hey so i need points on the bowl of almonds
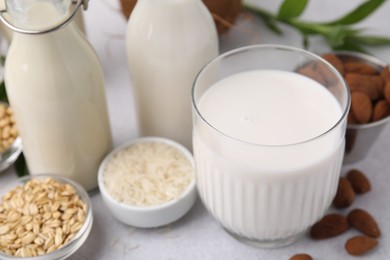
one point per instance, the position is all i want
(43, 217)
(368, 79)
(10, 142)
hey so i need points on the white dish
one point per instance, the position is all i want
(149, 216)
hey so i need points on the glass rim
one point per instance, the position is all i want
(306, 53)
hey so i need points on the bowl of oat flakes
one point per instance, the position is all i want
(43, 217)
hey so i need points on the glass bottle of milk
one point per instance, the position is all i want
(55, 86)
(168, 42)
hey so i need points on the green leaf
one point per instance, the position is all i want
(291, 9)
(370, 40)
(271, 24)
(336, 37)
(358, 14)
(350, 46)
(21, 166)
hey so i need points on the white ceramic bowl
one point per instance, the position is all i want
(149, 216)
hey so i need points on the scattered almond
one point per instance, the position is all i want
(345, 194)
(359, 181)
(329, 226)
(364, 222)
(361, 107)
(359, 67)
(301, 257)
(381, 110)
(359, 245)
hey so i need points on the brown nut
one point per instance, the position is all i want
(359, 181)
(381, 110)
(364, 222)
(359, 245)
(301, 257)
(335, 61)
(386, 92)
(385, 74)
(361, 107)
(359, 67)
(310, 71)
(372, 85)
(351, 119)
(345, 194)
(329, 226)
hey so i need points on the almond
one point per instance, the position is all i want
(359, 67)
(301, 257)
(361, 107)
(364, 222)
(329, 226)
(386, 91)
(381, 110)
(345, 194)
(359, 245)
(352, 118)
(372, 85)
(359, 181)
(327, 74)
(335, 61)
(385, 74)
(310, 71)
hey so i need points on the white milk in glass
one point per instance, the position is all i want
(257, 173)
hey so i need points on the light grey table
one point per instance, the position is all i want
(197, 235)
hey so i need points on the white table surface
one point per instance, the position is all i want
(198, 235)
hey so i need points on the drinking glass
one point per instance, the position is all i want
(268, 195)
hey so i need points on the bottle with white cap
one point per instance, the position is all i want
(168, 42)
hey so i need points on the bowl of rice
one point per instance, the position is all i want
(148, 182)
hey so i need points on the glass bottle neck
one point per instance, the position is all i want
(38, 14)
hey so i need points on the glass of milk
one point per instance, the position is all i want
(268, 137)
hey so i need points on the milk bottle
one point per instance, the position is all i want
(168, 41)
(55, 86)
